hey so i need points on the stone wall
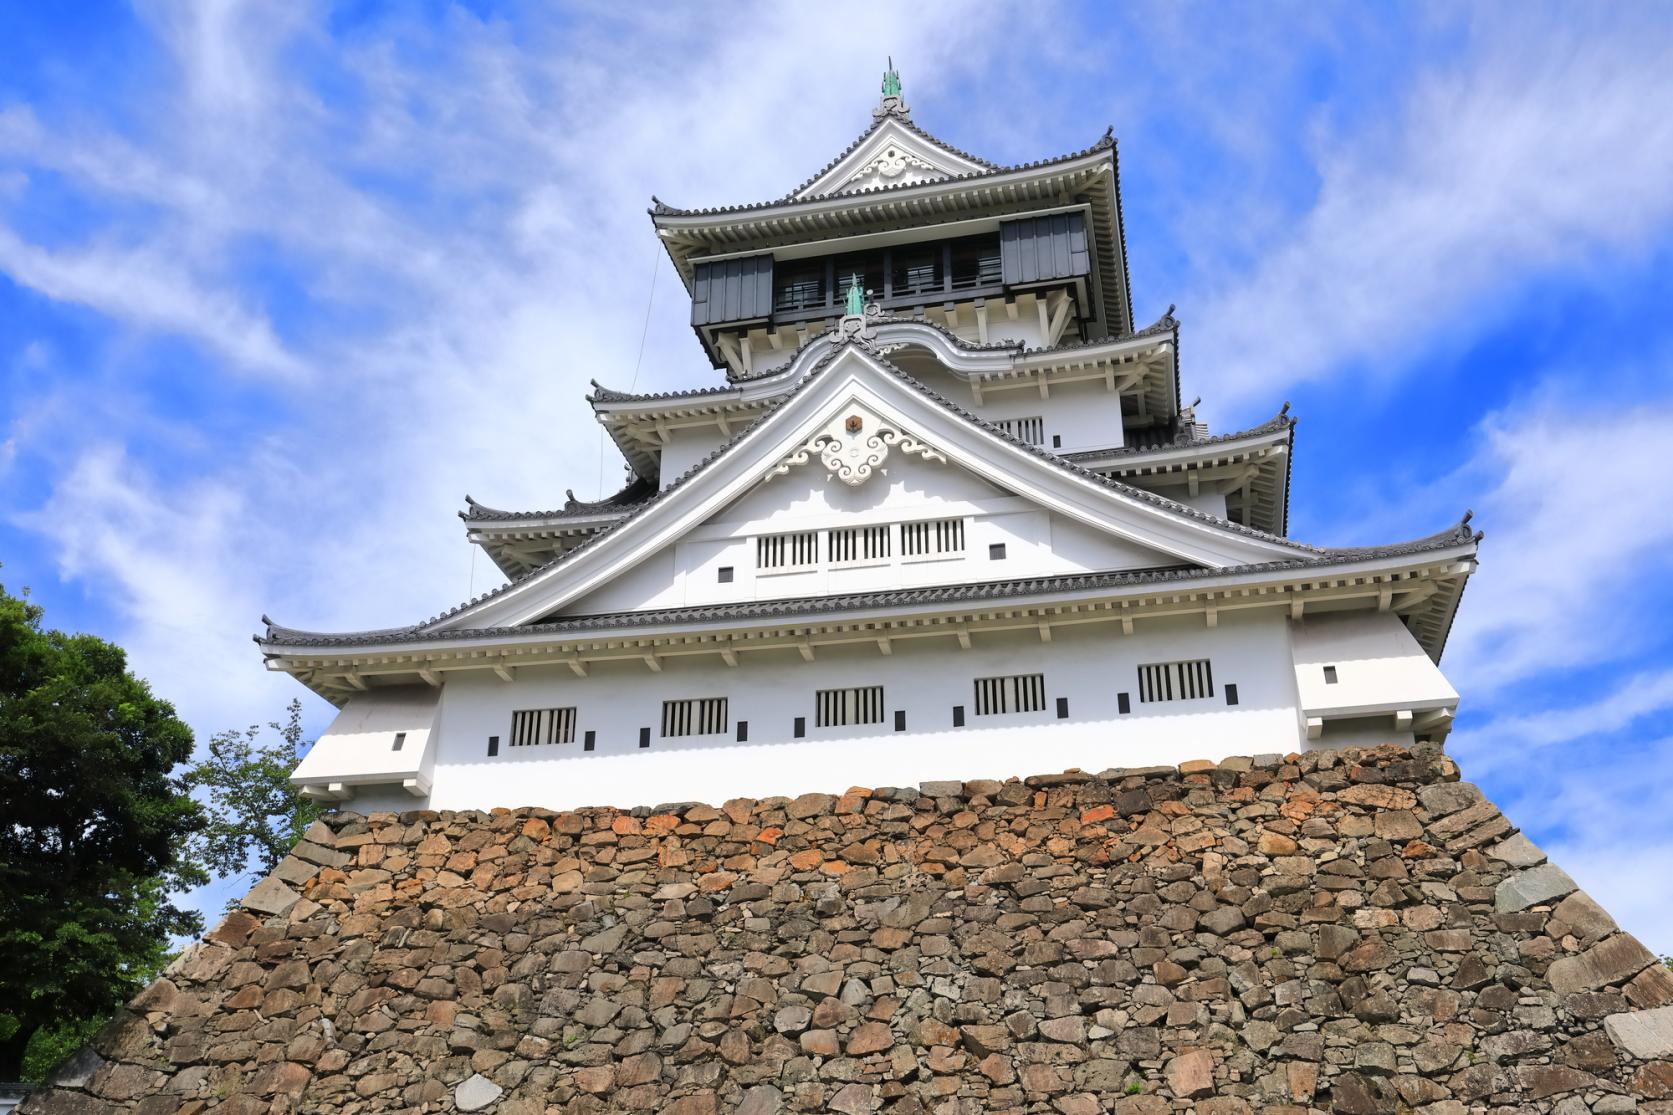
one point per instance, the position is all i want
(1353, 932)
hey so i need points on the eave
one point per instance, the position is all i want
(1422, 587)
(1143, 364)
(1255, 462)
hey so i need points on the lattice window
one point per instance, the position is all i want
(695, 716)
(860, 705)
(533, 726)
(787, 551)
(857, 544)
(1012, 693)
(1031, 429)
(932, 538)
(1176, 681)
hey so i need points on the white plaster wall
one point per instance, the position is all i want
(1378, 666)
(810, 498)
(359, 744)
(1082, 414)
(1088, 664)
(686, 447)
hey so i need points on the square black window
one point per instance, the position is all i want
(1057, 441)
(1123, 703)
(1063, 708)
(644, 737)
(1231, 694)
(493, 746)
(726, 574)
(996, 551)
(801, 726)
(1330, 675)
(900, 720)
(958, 716)
(400, 740)
(589, 741)
(743, 731)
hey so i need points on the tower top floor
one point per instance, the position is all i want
(923, 229)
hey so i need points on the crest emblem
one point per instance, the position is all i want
(853, 424)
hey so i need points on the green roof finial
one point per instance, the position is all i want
(854, 303)
(891, 80)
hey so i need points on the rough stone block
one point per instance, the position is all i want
(1645, 1034)
(1532, 887)
(1612, 961)
(270, 896)
(476, 1093)
(1517, 851)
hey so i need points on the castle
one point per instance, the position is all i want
(942, 510)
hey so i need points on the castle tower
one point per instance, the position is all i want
(938, 511)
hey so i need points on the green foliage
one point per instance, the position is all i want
(51, 1045)
(1134, 1087)
(255, 815)
(95, 826)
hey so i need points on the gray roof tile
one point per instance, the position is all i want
(1457, 535)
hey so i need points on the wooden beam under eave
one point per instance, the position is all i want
(355, 681)
(806, 650)
(504, 672)
(576, 666)
(653, 662)
(1045, 632)
(729, 656)
(963, 638)
(885, 647)
(1212, 614)
(431, 678)
(1297, 607)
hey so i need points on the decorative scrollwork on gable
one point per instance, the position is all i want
(889, 164)
(854, 445)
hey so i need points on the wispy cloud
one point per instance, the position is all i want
(1572, 537)
(428, 226)
(1537, 151)
(144, 288)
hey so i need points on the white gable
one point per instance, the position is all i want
(850, 424)
(911, 504)
(891, 155)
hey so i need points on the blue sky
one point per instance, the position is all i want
(281, 282)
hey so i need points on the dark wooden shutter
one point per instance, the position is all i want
(730, 290)
(1039, 249)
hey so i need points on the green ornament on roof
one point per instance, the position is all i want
(855, 300)
(891, 80)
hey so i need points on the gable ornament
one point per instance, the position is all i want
(851, 453)
(892, 102)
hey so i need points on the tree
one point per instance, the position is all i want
(255, 815)
(95, 825)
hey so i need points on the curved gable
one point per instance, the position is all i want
(858, 381)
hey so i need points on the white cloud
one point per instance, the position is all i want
(1533, 152)
(144, 288)
(1599, 811)
(1574, 531)
(465, 212)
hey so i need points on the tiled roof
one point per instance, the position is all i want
(637, 491)
(1189, 435)
(662, 209)
(1163, 325)
(1457, 535)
